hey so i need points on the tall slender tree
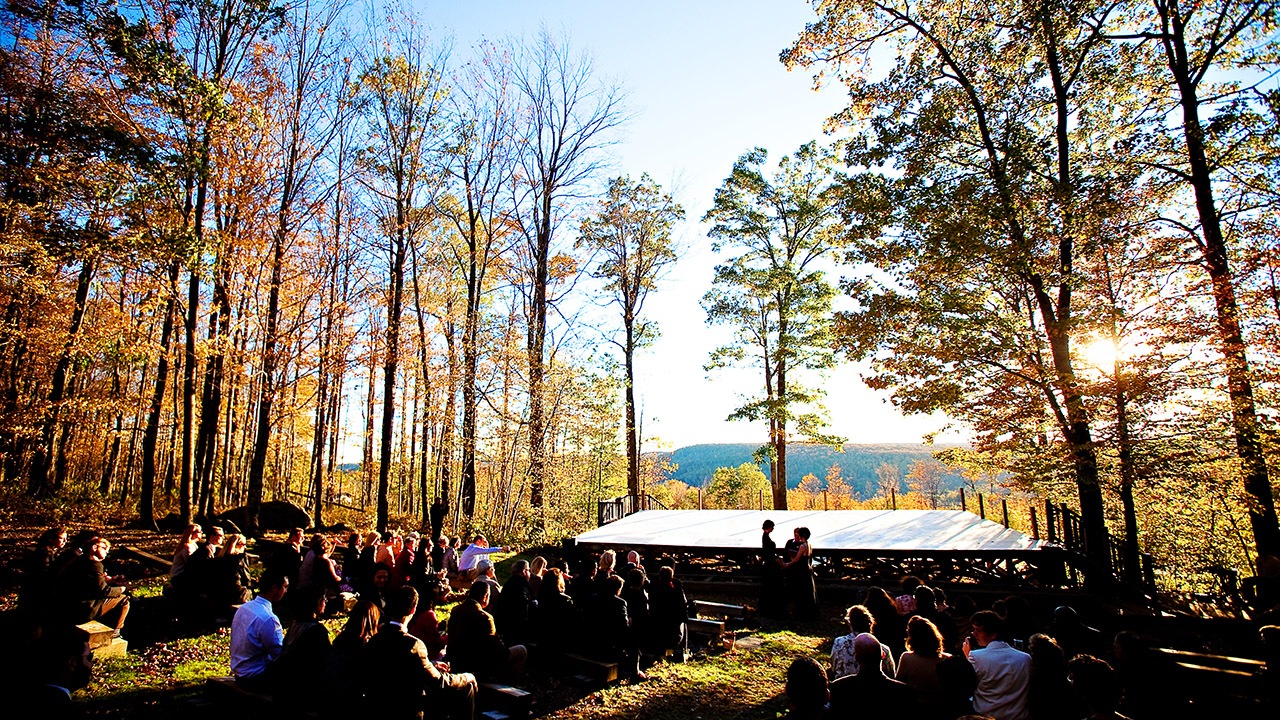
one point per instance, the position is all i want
(781, 230)
(631, 230)
(568, 116)
(404, 93)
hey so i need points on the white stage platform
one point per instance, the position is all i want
(834, 532)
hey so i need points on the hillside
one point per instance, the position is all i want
(858, 463)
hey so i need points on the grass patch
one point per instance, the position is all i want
(746, 682)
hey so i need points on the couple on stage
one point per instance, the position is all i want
(789, 576)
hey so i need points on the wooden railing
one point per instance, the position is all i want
(608, 511)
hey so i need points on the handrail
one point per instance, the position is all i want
(614, 509)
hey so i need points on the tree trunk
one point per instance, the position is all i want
(151, 435)
(633, 446)
(1244, 417)
(38, 484)
(391, 366)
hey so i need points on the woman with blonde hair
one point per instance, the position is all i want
(231, 581)
(187, 544)
(537, 568)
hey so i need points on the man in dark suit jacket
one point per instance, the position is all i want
(86, 592)
(402, 680)
(474, 643)
(870, 693)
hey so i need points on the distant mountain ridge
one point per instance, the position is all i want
(858, 462)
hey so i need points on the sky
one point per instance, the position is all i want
(703, 84)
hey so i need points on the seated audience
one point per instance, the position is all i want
(1074, 636)
(199, 573)
(669, 614)
(471, 556)
(843, 660)
(319, 569)
(474, 644)
(1020, 621)
(86, 592)
(806, 689)
(485, 573)
(905, 602)
(870, 693)
(187, 544)
(1050, 696)
(611, 625)
(890, 625)
(1097, 686)
(558, 620)
(1004, 674)
(304, 659)
(927, 608)
(38, 566)
(287, 560)
(401, 681)
(232, 583)
(537, 568)
(918, 666)
(344, 673)
(257, 638)
(379, 586)
(426, 625)
(514, 605)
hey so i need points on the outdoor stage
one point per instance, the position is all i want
(944, 545)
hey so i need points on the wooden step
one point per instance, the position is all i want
(598, 671)
(719, 610)
(509, 700)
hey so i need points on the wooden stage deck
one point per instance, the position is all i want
(833, 531)
(847, 544)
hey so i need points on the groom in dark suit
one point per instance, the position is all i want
(402, 680)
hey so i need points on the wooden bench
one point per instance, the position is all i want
(155, 561)
(509, 701)
(596, 671)
(717, 610)
(227, 697)
(1222, 674)
(712, 629)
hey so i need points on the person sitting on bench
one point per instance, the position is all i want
(257, 638)
(402, 681)
(474, 643)
(88, 593)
